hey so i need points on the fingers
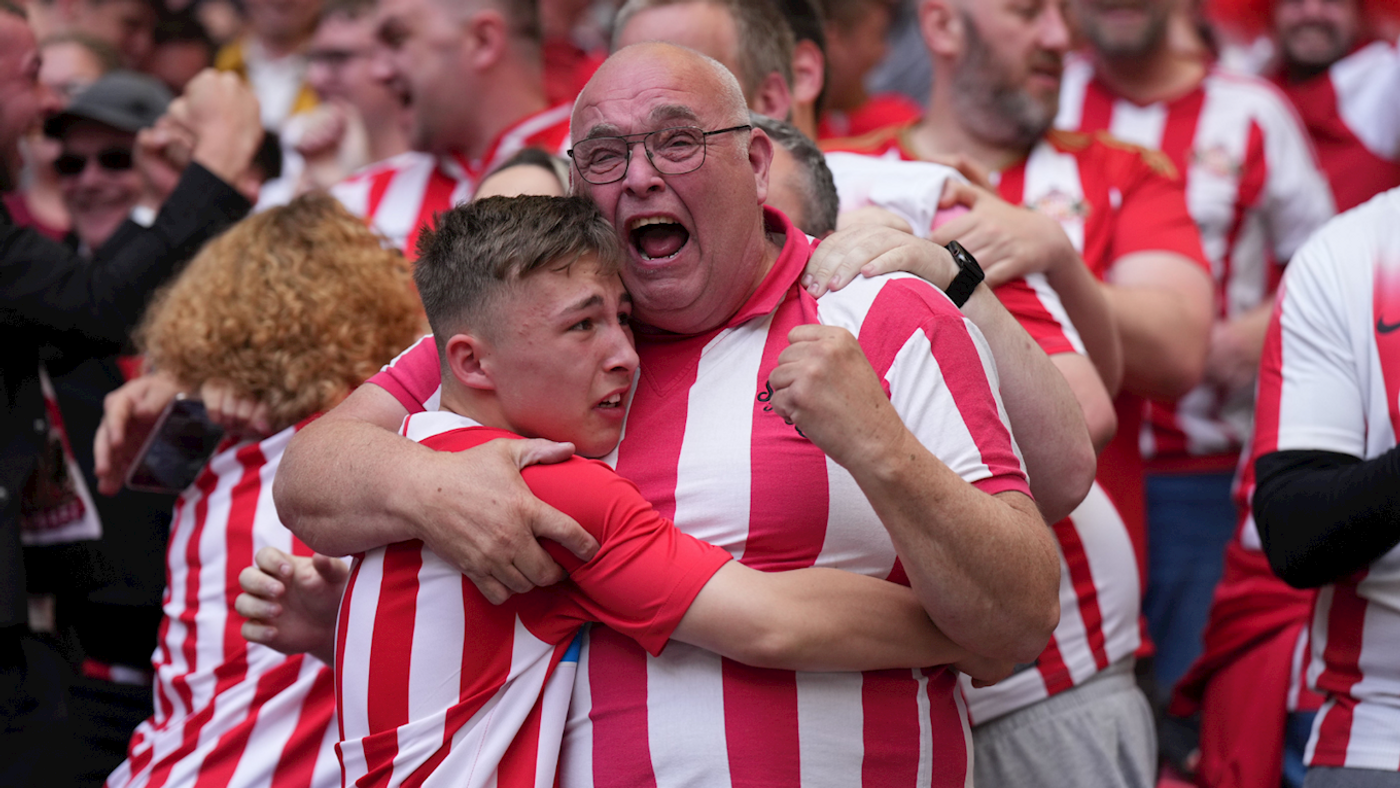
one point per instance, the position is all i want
(274, 562)
(550, 523)
(256, 608)
(239, 415)
(332, 570)
(538, 451)
(260, 584)
(254, 632)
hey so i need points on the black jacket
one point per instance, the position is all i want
(49, 294)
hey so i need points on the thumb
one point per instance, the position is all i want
(956, 192)
(538, 450)
(332, 570)
(550, 523)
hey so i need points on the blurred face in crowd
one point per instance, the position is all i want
(341, 56)
(1006, 81)
(127, 25)
(23, 99)
(1122, 28)
(1314, 34)
(704, 27)
(175, 63)
(97, 179)
(692, 242)
(424, 59)
(852, 50)
(68, 68)
(282, 22)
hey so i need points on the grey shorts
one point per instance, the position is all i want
(1097, 735)
(1333, 777)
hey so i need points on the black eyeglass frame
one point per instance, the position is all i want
(631, 139)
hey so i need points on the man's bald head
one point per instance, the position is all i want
(719, 82)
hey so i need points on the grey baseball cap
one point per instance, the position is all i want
(124, 100)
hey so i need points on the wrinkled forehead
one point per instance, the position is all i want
(638, 94)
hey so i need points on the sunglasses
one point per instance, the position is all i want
(112, 160)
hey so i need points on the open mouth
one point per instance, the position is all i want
(613, 401)
(657, 237)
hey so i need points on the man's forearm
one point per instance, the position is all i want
(1087, 306)
(339, 482)
(985, 567)
(1045, 414)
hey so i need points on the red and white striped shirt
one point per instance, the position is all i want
(409, 619)
(705, 449)
(228, 712)
(1099, 582)
(400, 195)
(1255, 193)
(1113, 199)
(1330, 380)
(1353, 118)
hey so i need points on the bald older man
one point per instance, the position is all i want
(760, 423)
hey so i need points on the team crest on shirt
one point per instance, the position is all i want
(1217, 161)
(1061, 206)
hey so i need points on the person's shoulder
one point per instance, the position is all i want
(896, 303)
(1102, 149)
(399, 163)
(874, 143)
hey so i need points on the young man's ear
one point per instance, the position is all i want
(468, 358)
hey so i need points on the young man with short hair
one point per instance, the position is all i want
(562, 368)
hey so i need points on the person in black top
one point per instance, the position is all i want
(50, 295)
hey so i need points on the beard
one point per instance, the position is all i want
(1315, 58)
(1136, 44)
(990, 105)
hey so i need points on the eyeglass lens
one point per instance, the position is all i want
(111, 159)
(673, 151)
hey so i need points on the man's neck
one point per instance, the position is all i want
(511, 96)
(480, 407)
(385, 137)
(1160, 74)
(940, 135)
(1294, 73)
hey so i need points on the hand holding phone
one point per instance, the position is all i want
(177, 449)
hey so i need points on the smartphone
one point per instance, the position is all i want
(178, 448)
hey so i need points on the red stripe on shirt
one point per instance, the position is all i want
(437, 198)
(1053, 670)
(1085, 592)
(950, 742)
(390, 654)
(892, 741)
(1346, 619)
(218, 768)
(621, 750)
(760, 726)
(1179, 132)
(294, 769)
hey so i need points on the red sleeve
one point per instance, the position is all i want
(414, 376)
(1153, 215)
(646, 572)
(1024, 304)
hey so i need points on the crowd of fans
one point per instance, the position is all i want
(1042, 356)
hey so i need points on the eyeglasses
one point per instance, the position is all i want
(673, 151)
(111, 159)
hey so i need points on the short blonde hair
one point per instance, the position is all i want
(293, 307)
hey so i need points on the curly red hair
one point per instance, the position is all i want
(293, 307)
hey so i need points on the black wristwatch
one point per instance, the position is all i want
(969, 275)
